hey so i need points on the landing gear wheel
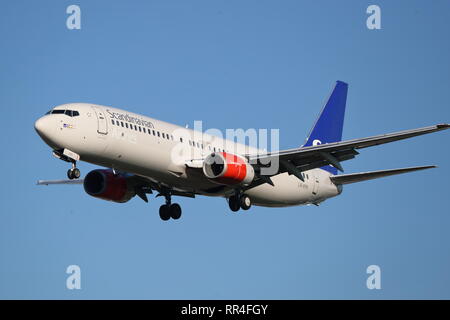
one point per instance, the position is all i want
(164, 212)
(73, 173)
(175, 211)
(76, 173)
(233, 202)
(245, 202)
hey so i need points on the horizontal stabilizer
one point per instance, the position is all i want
(363, 176)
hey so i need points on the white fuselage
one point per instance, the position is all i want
(153, 149)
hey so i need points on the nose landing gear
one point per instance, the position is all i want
(74, 172)
(69, 156)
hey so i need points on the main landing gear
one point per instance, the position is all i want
(239, 201)
(74, 172)
(169, 210)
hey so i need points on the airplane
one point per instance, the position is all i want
(137, 153)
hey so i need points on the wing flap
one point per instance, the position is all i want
(364, 176)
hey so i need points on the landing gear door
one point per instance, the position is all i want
(102, 127)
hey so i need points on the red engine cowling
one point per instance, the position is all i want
(104, 184)
(228, 169)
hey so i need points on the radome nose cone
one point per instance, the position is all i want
(43, 127)
(39, 125)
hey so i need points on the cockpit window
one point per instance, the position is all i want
(70, 113)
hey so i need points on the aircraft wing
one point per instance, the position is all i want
(47, 182)
(141, 185)
(301, 159)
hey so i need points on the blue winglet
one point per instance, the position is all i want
(329, 124)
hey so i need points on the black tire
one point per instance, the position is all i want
(70, 174)
(233, 202)
(164, 212)
(245, 202)
(175, 211)
(76, 173)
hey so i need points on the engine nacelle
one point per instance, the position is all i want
(104, 184)
(228, 169)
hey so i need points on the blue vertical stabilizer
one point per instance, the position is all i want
(329, 124)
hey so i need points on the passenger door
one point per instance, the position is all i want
(102, 126)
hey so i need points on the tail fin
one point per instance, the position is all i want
(329, 124)
(328, 127)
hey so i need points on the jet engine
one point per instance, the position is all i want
(104, 184)
(228, 169)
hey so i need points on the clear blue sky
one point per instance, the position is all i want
(232, 64)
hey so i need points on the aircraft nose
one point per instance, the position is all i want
(43, 126)
(39, 125)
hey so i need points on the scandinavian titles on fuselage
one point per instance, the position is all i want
(130, 119)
